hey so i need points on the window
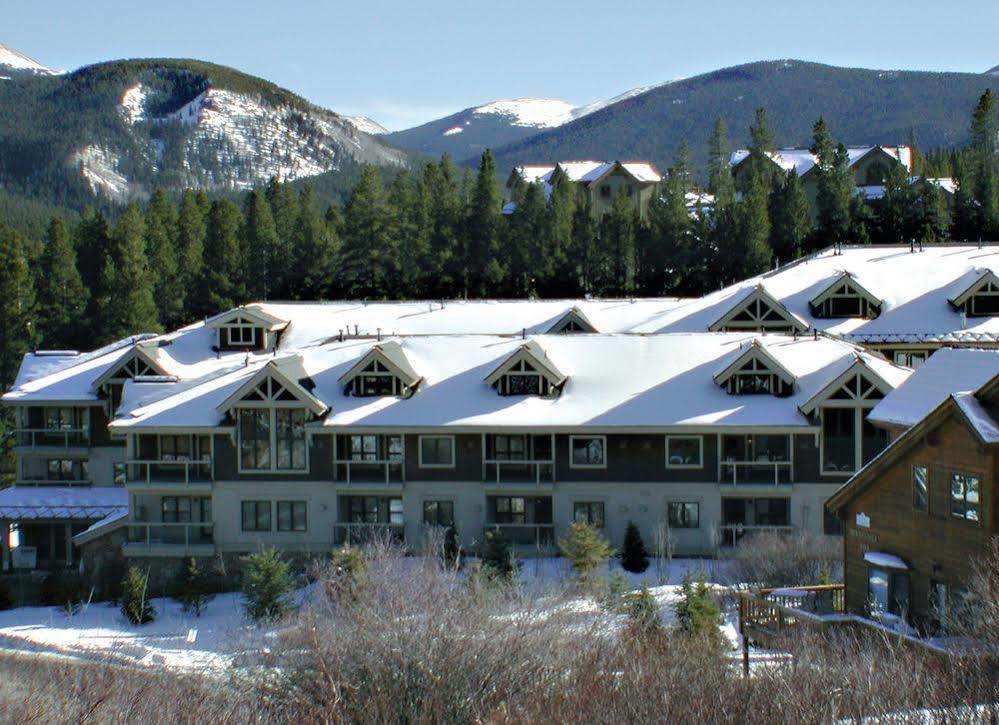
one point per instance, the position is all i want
(256, 515)
(605, 191)
(60, 419)
(589, 512)
(175, 448)
(964, 496)
(290, 436)
(684, 451)
(588, 451)
(519, 384)
(438, 513)
(436, 451)
(520, 510)
(887, 591)
(920, 497)
(255, 439)
(61, 469)
(839, 439)
(522, 378)
(846, 300)
(683, 514)
(754, 377)
(773, 511)
(376, 380)
(363, 448)
(175, 509)
(509, 447)
(291, 516)
(241, 335)
(119, 474)
(272, 439)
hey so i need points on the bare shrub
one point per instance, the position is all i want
(773, 560)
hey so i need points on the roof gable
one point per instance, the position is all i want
(269, 386)
(573, 321)
(756, 363)
(859, 384)
(528, 358)
(136, 363)
(389, 358)
(845, 285)
(247, 315)
(758, 310)
(983, 280)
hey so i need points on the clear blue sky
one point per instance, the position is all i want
(405, 62)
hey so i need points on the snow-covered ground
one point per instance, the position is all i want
(222, 634)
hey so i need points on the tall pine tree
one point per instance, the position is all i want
(62, 298)
(484, 267)
(126, 306)
(221, 285)
(366, 257)
(161, 250)
(264, 268)
(17, 304)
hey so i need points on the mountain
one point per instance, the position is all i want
(861, 106)
(15, 63)
(366, 125)
(467, 133)
(120, 129)
(994, 71)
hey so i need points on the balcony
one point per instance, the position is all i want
(729, 535)
(390, 472)
(355, 533)
(764, 471)
(170, 474)
(534, 536)
(540, 473)
(170, 539)
(52, 438)
(46, 482)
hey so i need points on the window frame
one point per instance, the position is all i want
(272, 413)
(591, 466)
(241, 328)
(589, 506)
(685, 466)
(292, 505)
(257, 504)
(436, 436)
(965, 507)
(437, 504)
(925, 508)
(683, 506)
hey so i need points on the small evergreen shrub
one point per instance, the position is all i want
(346, 573)
(135, 603)
(267, 585)
(643, 609)
(60, 588)
(193, 588)
(698, 612)
(616, 590)
(451, 552)
(585, 549)
(634, 557)
(499, 563)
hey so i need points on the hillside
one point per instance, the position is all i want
(15, 63)
(464, 135)
(862, 106)
(121, 129)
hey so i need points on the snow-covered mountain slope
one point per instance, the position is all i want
(366, 125)
(467, 133)
(14, 62)
(122, 129)
(993, 71)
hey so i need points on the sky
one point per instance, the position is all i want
(408, 62)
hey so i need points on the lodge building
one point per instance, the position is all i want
(305, 425)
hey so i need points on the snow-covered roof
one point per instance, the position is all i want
(914, 286)
(661, 382)
(56, 502)
(889, 561)
(979, 417)
(946, 371)
(803, 160)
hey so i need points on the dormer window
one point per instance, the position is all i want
(528, 371)
(981, 298)
(845, 298)
(247, 328)
(760, 312)
(755, 372)
(136, 364)
(385, 370)
(573, 322)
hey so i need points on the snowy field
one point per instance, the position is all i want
(222, 636)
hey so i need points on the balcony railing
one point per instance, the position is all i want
(764, 471)
(357, 471)
(53, 482)
(185, 473)
(158, 535)
(537, 472)
(53, 437)
(346, 532)
(732, 534)
(539, 536)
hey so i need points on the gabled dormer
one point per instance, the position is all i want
(274, 385)
(758, 311)
(137, 363)
(528, 371)
(845, 297)
(573, 322)
(981, 297)
(756, 372)
(249, 329)
(384, 370)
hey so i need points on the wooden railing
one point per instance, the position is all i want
(152, 534)
(771, 613)
(775, 472)
(347, 532)
(540, 536)
(731, 534)
(73, 482)
(64, 437)
(537, 472)
(166, 471)
(392, 470)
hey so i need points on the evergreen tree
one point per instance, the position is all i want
(671, 251)
(366, 256)
(895, 207)
(790, 217)
(126, 306)
(754, 255)
(761, 144)
(634, 557)
(484, 268)
(965, 208)
(931, 218)
(285, 210)
(62, 298)
(583, 254)
(720, 184)
(315, 251)
(617, 242)
(161, 251)
(409, 229)
(267, 585)
(135, 603)
(529, 262)
(499, 562)
(559, 275)
(261, 250)
(191, 231)
(93, 242)
(446, 226)
(699, 614)
(221, 285)
(17, 302)
(193, 589)
(862, 221)
(835, 189)
(985, 126)
(585, 549)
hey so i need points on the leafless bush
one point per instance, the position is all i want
(975, 613)
(772, 560)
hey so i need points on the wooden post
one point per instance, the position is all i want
(745, 655)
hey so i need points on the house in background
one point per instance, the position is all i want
(602, 182)
(869, 165)
(918, 517)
